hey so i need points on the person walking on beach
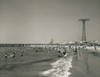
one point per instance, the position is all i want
(75, 51)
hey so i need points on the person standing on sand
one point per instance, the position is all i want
(75, 50)
(95, 47)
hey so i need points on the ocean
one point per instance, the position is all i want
(48, 64)
(33, 63)
(60, 68)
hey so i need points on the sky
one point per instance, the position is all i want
(39, 21)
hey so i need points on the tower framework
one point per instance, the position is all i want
(83, 29)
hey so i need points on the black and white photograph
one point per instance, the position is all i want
(49, 38)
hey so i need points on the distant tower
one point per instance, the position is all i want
(51, 42)
(83, 29)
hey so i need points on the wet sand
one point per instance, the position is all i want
(86, 64)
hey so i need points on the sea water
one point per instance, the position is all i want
(60, 68)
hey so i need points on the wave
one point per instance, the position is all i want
(60, 68)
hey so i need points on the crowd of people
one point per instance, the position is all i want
(12, 55)
(62, 51)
